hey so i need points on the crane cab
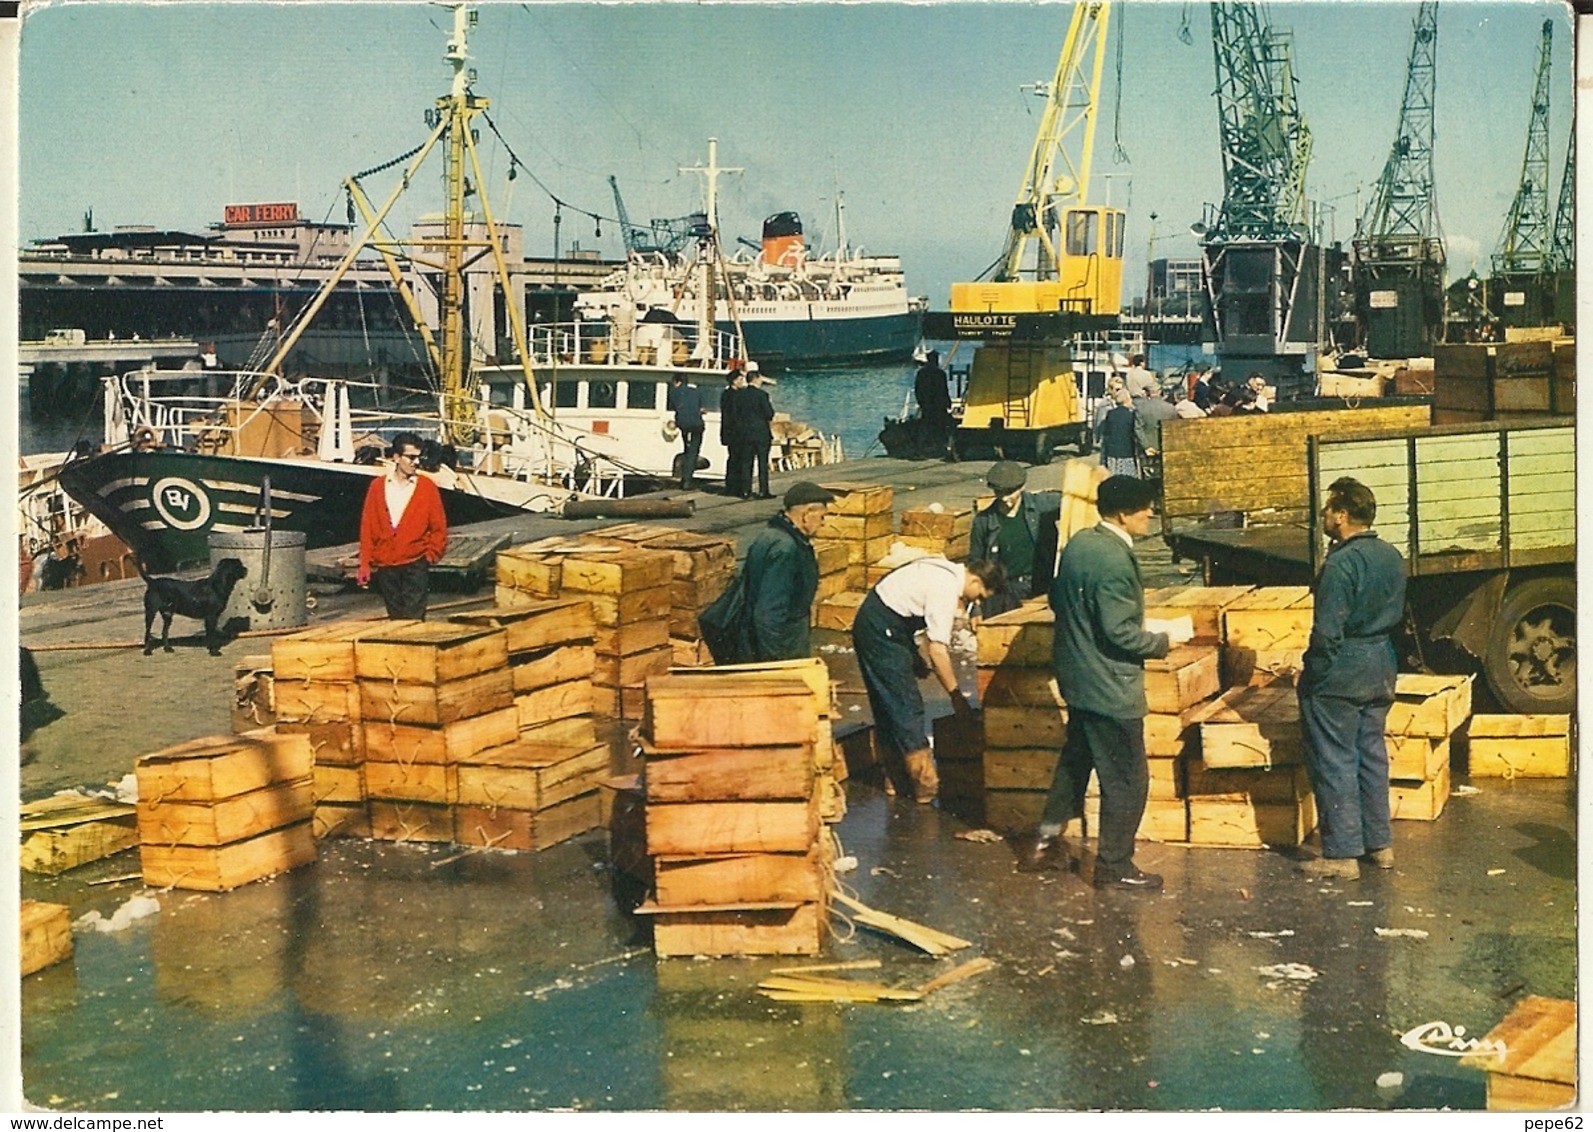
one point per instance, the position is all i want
(1087, 276)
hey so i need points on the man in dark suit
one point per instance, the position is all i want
(1099, 649)
(1018, 530)
(685, 401)
(735, 432)
(760, 418)
(1347, 684)
(934, 400)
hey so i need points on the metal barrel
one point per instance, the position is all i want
(285, 606)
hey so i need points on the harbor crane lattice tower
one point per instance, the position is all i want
(1399, 248)
(1563, 249)
(1261, 268)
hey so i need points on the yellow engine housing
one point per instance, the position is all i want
(1027, 386)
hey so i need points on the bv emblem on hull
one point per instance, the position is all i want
(182, 503)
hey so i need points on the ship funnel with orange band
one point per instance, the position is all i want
(782, 240)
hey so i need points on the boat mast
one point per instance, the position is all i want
(710, 245)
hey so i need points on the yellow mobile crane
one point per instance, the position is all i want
(1060, 274)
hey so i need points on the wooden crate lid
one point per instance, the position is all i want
(526, 754)
(429, 634)
(514, 614)
(1520, 726)
(1270, 704)
(1272, 597)
(1420, 686)
(1181, 656)
(1539, 1040)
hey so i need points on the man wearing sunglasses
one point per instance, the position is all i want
(402, 531)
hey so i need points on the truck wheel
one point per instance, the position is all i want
(1530, 662)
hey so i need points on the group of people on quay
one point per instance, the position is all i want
(746, 416)
(903, 632)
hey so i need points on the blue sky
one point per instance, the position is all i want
(162, 114)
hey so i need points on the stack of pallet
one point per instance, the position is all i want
(861, 517)
(739, 854)
(1426, 713)
(1519, 746)
(317, 697)
(1265, 634)
(1024, 721)
(431, 694)
(1248, 788)
(939, 530)
(222, 811)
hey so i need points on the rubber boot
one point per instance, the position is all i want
(926, 783)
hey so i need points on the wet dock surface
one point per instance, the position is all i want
(407, 977)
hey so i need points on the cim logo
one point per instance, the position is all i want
(182, 503)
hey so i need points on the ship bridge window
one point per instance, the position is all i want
(566, 394)
(602, 395)
(1084, 235)
(641, 395)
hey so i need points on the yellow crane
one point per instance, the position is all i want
(1059, 274)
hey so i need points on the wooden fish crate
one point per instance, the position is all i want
(632, 637)
(1203, 605)
(567, 700)
(335, 743)
(831, 555)
(838, 612)
(46, 935)
(341, 819)
(617, 574)
(539, 625)
(741, 878)
(445, 743)
(430, 652)
(223, 820)
(529, 671)
(1416, 758)
(630, 671)
(733, 774)
(860, 498)
(529, 775)
(396, 820)
(324, 652)
(1172, 735)
(433, 783)
(1537, 1070)
(1420, 801)
(697, 829)
(435, 705)
(216, 767)
(1255, 668)
(1009, 685)
(254, 694)
(773, 928)
(1025, 726)
(221, 868)
(1251, 727)
(1270, 617)
(695, 555)
(1519, 746)
(1020, 637)
(1184, 677)
(1430, 706)
(686, 711)
(317, 701)
(64, 831)
(613, 610)
(1020, 768)
(500, 827)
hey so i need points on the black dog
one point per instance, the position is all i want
(203, 600)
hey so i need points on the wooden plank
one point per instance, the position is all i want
(430, 652)
(448, 743)
(529, 776)
(697, 829)
(225, 867)
(46, 935)
(221, 766)
(929, 523)
(67, 809)
(740, 878)
(538, 625)
(54, 851)
(735, 774)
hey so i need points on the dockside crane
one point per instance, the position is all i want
(1398, 268)
(1563, 253)
(1522, 291)
(1059, 273)
(666, 237)
(1261, 267)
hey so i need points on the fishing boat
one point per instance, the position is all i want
(792, 307)
(582, 411)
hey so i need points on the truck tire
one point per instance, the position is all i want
(1530, 662)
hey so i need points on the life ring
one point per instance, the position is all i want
(671, 430)
(145, 437)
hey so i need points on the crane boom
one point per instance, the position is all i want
(1564, 254)
(1524, 243)
(1403, 209)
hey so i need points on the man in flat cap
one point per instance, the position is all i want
(782, 576)
(1018, 531)
(1099, 649)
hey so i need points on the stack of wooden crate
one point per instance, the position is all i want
(942, 531)
(861, 517)
(222, 811)
(551, 657)
(1519, 746)
(1426, 713)
(431, 693)
(535, 792)
(1265, 634)
(1176, 687)
(704, 566)
(317, 697)
(1024, 721)
(1248, 787)
(1493, 381)
(629, 589)
(831, 555)
(739, 854)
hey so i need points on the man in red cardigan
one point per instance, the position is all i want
(402, 531)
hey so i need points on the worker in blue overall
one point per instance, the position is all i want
(924, 595)
(1346, 685)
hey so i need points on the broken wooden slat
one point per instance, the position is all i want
(920, 936)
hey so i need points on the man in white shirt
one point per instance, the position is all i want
(925, 594)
